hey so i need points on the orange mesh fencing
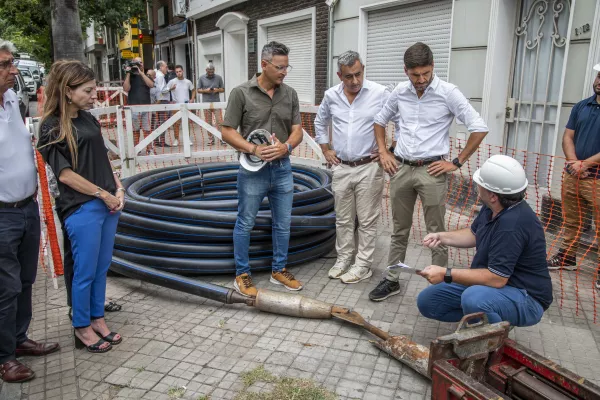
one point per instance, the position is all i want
(567, 205)
(47, 214)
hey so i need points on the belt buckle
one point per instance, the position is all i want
(419, 163)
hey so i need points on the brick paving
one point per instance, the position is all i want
(174, 340)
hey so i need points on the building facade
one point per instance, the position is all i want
(231, 34)
(172, 34)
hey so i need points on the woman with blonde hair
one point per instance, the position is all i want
(91, 195)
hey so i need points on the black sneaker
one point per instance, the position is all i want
(385, 289)
(560, 261)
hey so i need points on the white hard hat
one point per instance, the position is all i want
(501, 174)
(250, 162)
(597, 67)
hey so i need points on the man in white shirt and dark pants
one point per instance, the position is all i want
(19, 230)
(180, 89)
(351, 107)
(424, 108)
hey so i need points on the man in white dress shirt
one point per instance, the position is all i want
(424, 108)
(351, 107)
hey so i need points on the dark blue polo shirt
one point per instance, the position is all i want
(585, 121)
(513, 246)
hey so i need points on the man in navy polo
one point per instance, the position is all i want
(508, 279)
(581, 185)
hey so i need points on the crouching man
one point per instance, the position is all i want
(508, 278)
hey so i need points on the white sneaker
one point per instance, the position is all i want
(337, 270)
(175, 143)
(356, 274)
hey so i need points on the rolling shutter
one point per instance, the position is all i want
(391, 31)
(297, 36)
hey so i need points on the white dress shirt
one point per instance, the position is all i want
(18, 174)
(353, 134)
(424, 123)
(162, 91)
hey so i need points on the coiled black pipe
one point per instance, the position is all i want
(181, 219)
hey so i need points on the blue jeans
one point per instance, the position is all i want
(450, 302)
(275, 181)
(91, 230)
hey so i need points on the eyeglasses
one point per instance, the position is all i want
(8, 64)
(281, 68)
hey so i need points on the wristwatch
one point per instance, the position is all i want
(290, 148)
(448, 276)
(457, 162)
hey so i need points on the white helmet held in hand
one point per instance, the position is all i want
(250, 162)
(501, 174)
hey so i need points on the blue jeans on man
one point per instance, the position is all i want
(275, 181)
(450, 302)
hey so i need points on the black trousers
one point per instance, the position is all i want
(19, 251)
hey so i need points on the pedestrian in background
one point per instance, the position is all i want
(91, 195)
(137, 85)
(180, 89)
(210, 85)
(19, 229)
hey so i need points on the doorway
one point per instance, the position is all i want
(235, 53)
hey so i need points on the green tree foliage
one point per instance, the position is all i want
(27, 23)
(110, 13)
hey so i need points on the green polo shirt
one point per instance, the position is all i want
(250, 108)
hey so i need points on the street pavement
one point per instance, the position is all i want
(176, 344)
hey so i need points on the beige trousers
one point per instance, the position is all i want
(357, 193)
(405, 185)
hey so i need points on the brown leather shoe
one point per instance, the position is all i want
(14, 372)
(31, 348)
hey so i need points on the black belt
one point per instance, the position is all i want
(17, 204)
(357, 163)
(419, 163)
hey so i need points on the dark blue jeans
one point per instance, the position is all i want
(19, 250)
(275, 181)
(91, 230)
(450, 302)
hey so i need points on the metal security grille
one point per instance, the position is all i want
(391, 31)
(541, 40)
(298, 37)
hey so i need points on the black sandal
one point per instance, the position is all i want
(92, 348)
(110, 338)
(111, 306)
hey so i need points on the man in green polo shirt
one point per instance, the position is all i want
(265, 102)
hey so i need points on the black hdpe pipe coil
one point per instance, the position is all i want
(180, 220)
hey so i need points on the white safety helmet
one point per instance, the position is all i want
(501, 174)
(250, 162)
(597, 67)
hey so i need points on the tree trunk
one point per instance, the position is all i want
(67, 35)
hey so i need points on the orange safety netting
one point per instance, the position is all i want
(567, 205)
(47, 214)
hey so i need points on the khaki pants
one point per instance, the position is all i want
(218, 119)
(357, 193)
(405, 185)
(578, 197)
